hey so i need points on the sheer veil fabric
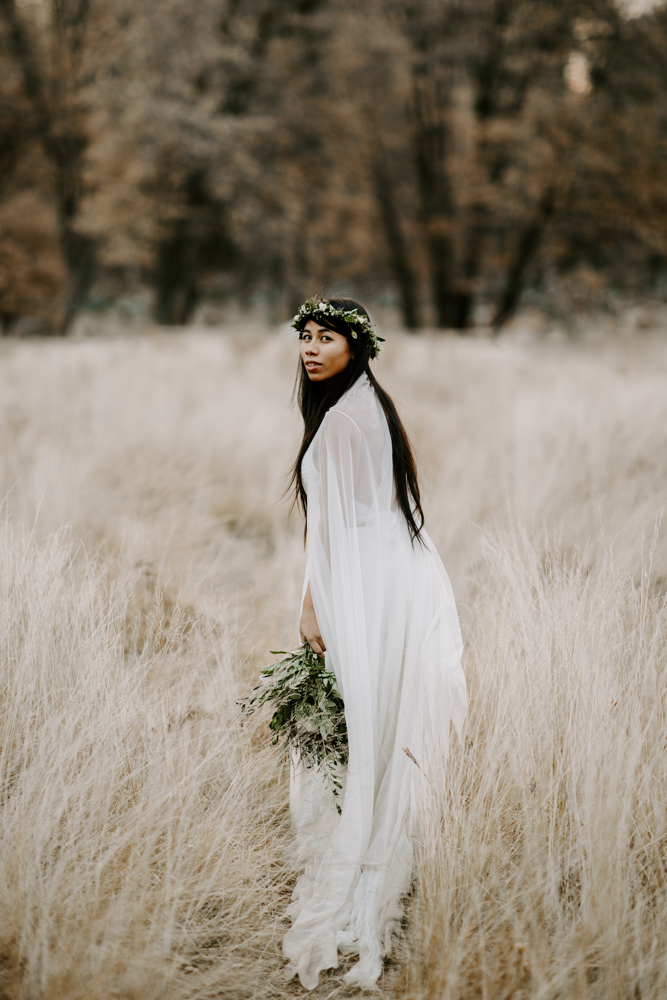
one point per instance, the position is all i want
(388, 619)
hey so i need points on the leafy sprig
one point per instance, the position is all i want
(309, 714)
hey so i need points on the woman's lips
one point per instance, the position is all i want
(311, 365)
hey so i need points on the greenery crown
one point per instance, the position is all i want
(357, 322)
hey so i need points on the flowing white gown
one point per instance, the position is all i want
(388, 620)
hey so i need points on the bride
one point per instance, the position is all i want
(379, 607)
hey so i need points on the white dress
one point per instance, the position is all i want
(388, 620)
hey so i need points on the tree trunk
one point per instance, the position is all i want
(176, 289)
(78, 251)
(453, 306)
(528, 244)
(403, 273)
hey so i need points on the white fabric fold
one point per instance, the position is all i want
(388, 619)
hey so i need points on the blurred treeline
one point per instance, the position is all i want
(451, 155)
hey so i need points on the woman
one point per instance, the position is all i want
(379, 607)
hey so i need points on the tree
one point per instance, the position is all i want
(488, 96)
(47, 54)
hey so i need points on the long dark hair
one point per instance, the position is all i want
(315, 398)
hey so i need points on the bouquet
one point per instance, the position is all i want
(308, 711)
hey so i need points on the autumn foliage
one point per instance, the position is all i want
(452, 156)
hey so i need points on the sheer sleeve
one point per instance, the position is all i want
(349, 517)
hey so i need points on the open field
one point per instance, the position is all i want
(147, 566)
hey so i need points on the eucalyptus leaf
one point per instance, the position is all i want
(309, 714)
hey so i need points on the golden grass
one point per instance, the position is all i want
(146, 568)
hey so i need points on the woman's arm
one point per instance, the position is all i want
(310, 630)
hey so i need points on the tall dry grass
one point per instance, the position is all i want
(143, 827)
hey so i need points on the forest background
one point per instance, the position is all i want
(448, 158)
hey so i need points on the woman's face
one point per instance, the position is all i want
(324, 352)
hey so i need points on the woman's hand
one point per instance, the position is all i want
(310, 630)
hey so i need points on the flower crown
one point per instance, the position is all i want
(312, 308)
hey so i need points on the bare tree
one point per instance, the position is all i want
(49, 56)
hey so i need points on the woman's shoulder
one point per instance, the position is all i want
(358, 408)
(339, 423)
(358, 403)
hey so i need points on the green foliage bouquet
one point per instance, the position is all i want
(308, 711)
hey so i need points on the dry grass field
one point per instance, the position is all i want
(147, 566)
